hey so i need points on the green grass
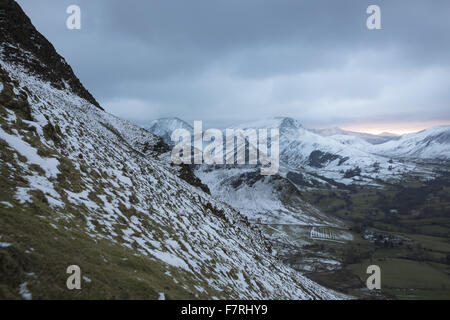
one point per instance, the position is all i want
(432, 243)
(411, 271)
(408, 279)
(37, 247)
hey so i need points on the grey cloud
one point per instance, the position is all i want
(232, 60)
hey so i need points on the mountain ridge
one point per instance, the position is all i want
(430, 143)
(23, 44)
(164, 127)
(389, 145)
(368, 137)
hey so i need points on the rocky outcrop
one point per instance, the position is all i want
(22, 44)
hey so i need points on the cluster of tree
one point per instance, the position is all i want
(406, 199)
(354, 255)
(350, 173)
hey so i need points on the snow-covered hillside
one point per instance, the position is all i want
(431, 143)
(165, 126)
(334, 158)
(353, 141)
(370, 138)
(337, 157)
(263, 199)
(307, 160)
(79, 180)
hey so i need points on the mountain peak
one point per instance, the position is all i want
(289, 123)
(170, 123)
(165, 126)
(22, 44)
(282, 123)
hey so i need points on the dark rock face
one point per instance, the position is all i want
(188, 175)
(299, 179)
(18, 36)
(318, 158)
(160, 147)
(247, 178)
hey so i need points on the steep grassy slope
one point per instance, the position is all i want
(79, 186)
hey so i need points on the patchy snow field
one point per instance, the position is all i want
(105, 167)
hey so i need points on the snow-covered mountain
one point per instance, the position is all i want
(273, 199)
(307, 160)
(80, 186)
(431, 143)
(353, 141)
(165, 126)
(370, 138)
(310, 160)
(336, 153)
(263, 199)
(302, 150)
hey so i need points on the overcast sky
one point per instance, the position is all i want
(227, 61)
